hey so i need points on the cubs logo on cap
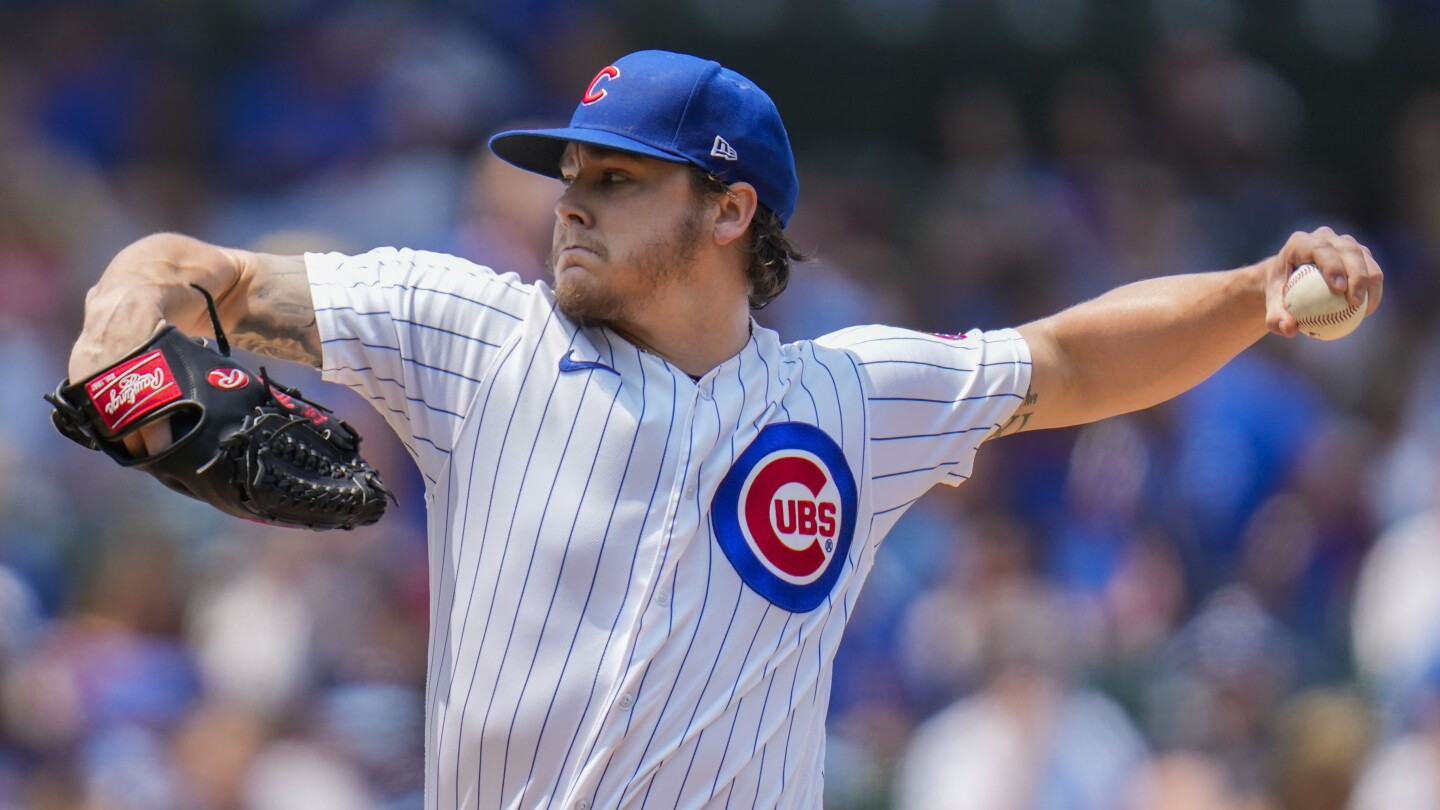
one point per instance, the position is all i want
(595, 92)
(784, 515)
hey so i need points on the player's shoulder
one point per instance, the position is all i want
(877, 342)
(460, 265)
(415, 265)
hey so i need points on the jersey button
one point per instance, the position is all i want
(689, 492)
(583, 804)
(626, 701)
(662, 597)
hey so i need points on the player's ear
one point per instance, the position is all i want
(734, 212)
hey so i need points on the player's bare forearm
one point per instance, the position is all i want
(278, 318)
(1141, 344)
(263, 300)
(1138, 345)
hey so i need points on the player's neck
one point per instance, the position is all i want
(696, 334)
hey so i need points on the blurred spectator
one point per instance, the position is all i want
(1320, 745)
(254, 633)
(297, 775)
(1401, 771)
(1235, 448)
(305, 100)
(1414, 199)
(1397, 613)
(213, 751)
(1184, 781)
(1235, 125)
(1028, 738)
(1215, 684)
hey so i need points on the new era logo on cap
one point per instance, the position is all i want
(721, 149)
(669, 106)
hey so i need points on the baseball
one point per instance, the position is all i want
(1323, 313)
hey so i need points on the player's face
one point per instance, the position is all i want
(625, 227)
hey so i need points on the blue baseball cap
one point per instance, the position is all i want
(673, 107)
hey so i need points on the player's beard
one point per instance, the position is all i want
(666, 260)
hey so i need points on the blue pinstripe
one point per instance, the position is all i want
(380, 285)
(704, 603)
(922, 337)
(940, 366)
(931, 435)
(634, 554)
(734, 687)
(417, 400)
(922, 469)
(408, 360)
(444, 558)
(944, 401)
(893, 508)
(464, 523)
(664, 558)
(800, 643)
(504, 555)
(416, 324)
(730, 625)
(760, 720)
(569, 539)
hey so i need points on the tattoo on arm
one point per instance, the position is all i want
(1021, 417)
(280, 320)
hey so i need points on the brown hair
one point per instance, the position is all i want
(767, 244)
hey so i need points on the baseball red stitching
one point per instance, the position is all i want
(1330, 319)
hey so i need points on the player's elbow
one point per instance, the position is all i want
(1056, 379)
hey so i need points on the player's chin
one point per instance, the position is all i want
(572, 281)
(585, 299)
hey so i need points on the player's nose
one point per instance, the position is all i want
(568, 212)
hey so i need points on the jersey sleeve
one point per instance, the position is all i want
(414, 333)
(932, 400)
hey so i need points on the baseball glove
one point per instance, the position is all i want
(243, 443)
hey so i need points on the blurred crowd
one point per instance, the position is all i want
(1225, 603)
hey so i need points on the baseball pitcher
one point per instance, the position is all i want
(649, 519)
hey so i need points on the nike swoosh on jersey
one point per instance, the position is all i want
(568, 364)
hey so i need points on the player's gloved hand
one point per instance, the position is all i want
(241, 442)
(1348, 266)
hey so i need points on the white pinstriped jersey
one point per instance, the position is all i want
(639, 580)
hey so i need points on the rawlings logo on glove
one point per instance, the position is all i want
(139, 387)
(243, 443)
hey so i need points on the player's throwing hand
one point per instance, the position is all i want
(1348, 267)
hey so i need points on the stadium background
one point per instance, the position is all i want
(1225, 603)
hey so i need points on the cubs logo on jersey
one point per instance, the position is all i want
(784, 515)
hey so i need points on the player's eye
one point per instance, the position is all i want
(567, 180)
(614, 177)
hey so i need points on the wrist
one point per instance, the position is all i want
(117, 320)
(1251, 290)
